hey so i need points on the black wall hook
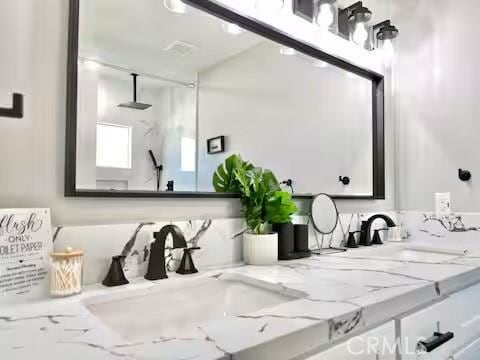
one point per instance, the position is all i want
(345, 180)
(289, 183)
(464, 175)
(16, 111)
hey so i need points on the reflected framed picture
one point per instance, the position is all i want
(216, 145)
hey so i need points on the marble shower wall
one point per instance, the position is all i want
(220, 241)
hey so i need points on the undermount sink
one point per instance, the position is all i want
(179, 308)
(415, 254)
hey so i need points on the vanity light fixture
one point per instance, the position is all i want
(353, 23)
(326, 15)
(232, 28)
(269, 5)
(360, 34)
(176, 6)
(385, 35)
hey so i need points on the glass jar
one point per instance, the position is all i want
(66, 273)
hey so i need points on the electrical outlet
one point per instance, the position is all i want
(442, 204)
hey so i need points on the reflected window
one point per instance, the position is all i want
(114, 146)
(188, 154)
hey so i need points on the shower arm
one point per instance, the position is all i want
(134, 86)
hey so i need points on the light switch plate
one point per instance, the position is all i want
(442, 204)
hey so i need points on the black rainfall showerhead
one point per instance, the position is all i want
(134, 104)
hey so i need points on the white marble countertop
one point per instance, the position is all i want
(347, 293)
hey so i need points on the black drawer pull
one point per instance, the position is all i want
(437, 340)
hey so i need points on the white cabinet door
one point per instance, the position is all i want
(470, 352)
(422, 325)
(376, 344)
(459, 314)
(464, 307)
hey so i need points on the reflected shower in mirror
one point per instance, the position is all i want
(163, 97)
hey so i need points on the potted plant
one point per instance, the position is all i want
(263, 203)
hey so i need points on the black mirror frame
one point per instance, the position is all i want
(378, 105)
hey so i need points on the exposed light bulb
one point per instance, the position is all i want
(269, 5)
(360, 35)
(325, 17)
(176, 6)
(321, 64)
(288, 51)
(388, 51)
(91, 65)
(231, 28)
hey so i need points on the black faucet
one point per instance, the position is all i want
(156, 262)
(365, 236)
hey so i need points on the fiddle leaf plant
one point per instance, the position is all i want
(262, 199)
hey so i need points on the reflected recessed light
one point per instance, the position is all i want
(321, 64)
(288, 51)
(231, 28)
(176, 6)
(353, 22)
(91, 65)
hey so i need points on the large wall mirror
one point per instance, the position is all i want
(159, 97)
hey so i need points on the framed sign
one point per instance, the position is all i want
(216, 145)
(25, 247)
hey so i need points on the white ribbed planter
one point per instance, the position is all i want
(260, 249)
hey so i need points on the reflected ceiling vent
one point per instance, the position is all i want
(181, 48)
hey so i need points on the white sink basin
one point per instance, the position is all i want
(178, 308)
(414, 254)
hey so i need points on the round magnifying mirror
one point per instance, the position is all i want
(324, 214)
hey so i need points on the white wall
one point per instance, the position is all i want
(32, 149)
(438, 112)
(305, 123)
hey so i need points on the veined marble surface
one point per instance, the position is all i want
(345, 294)
(220, 241)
